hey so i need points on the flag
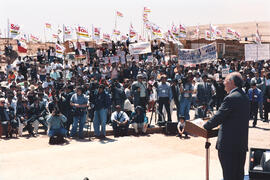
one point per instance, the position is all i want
(207, 35)
(132, 32)
(69, 33)
(145, 17)
(146, 10)
(59, 50)
(22, 47)
(174, 31)
(14, 30)
(182, 31)
(48, 25)
(237, 36)
(34, 38)
(119, 14)
(55, 36)
(147, 25)
(196, 33)
(95, 33)
(218, 34)
(156, 31)
(106, 37)
(82, 33)
(212, 30)
(257, 36)
(116, 32)
(124, 38)
(230, 33)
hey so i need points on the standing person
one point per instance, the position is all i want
(233, 116)
(186, 90)
(139, 92)
(79, 102)
(204, 91)
(266, 103)
(101, 104)
(255, 97)
(164, 94)
(67, 108)
(175, 93)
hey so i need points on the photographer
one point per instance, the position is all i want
(79, 102)
(55, 124)
(139, 120)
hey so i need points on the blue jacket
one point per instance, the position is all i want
(257, 96)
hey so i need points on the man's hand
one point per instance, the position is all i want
(268, 100)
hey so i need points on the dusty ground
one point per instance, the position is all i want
(151, 157)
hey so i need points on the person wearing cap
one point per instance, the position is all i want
(120, 122)
(255, 97)
(164, 96)
(101, 104)
(139, 92)
(79, 102)
(139, 120)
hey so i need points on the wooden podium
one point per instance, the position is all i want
(193, 128)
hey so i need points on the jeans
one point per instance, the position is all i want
(81, 120)
(57, 132)
(185, 107)
(100, 118)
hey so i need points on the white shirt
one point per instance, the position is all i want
(121, 116)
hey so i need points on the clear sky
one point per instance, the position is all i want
(32, 14)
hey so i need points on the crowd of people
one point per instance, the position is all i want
(113, 87)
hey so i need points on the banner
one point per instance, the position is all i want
(140, 48)
(96, 33)
(59, 50)
(195, 56)
(34, 38)
(69, 33)
(182, 31)
(256, 52)
(106, 37)
(82, 33)
(14, 30)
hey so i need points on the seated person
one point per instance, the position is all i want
(38, 112)
(120, 122)
(139, 120)
(181, 127)
(56, 125)
(201, 111)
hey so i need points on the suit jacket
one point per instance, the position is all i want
(204, 94)
(233, 116)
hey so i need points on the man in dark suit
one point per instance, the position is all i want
(233, 118)
(204, 91)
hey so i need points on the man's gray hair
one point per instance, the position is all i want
(237, 79)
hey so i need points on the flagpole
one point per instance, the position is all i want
(259, 37)
(198, 35)
(8, 30)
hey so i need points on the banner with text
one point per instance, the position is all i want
(196, 56)
(140, 48)
(257, 52)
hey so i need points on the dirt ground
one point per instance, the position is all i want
(126, 158)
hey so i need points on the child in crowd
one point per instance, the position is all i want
(181, 127)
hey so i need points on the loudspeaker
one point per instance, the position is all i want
(259, 164)
(171, 128)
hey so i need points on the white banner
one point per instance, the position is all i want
(195, 56)
(140, 48)
(257, 52)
